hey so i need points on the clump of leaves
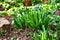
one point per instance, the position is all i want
(4, 13)
(34, 19)
(44, 35)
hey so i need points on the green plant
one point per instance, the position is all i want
(44, 35)
(34, 19)
(3, 13)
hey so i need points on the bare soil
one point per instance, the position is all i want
(15, 33)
